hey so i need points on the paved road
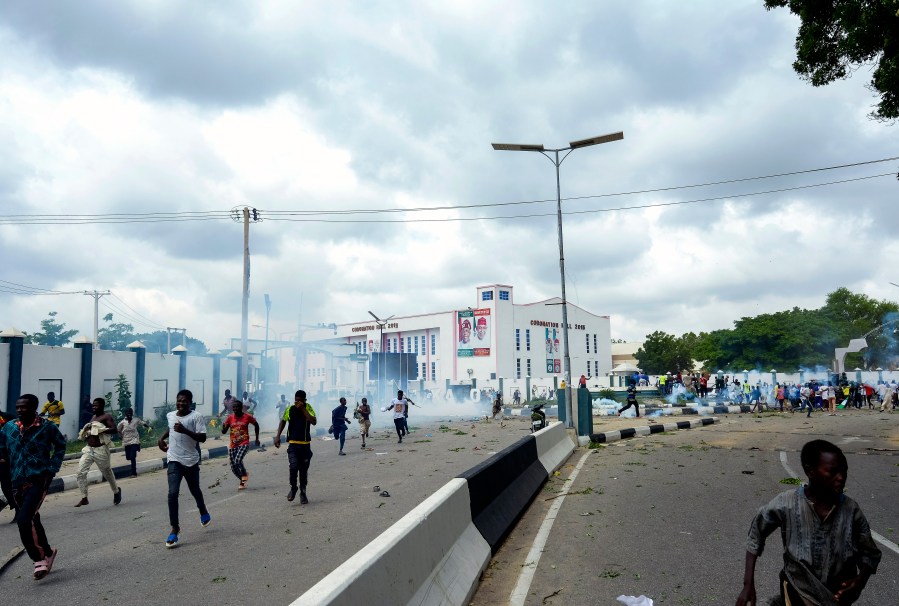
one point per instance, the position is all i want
(666, 516)
(259, 547)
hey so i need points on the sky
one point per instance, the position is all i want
(111, 112)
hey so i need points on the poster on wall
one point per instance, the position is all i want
(473, 330)
(553, 362)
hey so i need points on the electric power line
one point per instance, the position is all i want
(179, 216)
(149, 321)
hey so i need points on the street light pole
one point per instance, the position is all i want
(557, 162)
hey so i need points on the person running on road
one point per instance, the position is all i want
(128, 429)
(34, 448)
(364, 411)
(829, 552)
(497, 406)
(339, 424)
(399, 406)
(96, 434)
(238, 423)
(53, 409)
(631, 399)
(227, 404)
(186, 430)
(299, 420)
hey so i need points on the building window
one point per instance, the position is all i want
(409, 344)
(504, 295)
(588, 348)
(364, 346)
(594, 345)
(487, 295)
(529, 367)
(433, 345)
(517, 339)
(416, 346)
(518, 368)
(527, 340)
(596, 369)
(388, 345)
(424, 371)
(433, 371)
(396, 346)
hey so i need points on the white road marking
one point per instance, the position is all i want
(520, 593)
(877, 537)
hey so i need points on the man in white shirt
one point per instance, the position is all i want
(399, 418)
(186, 430)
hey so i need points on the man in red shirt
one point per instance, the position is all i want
(238, 423)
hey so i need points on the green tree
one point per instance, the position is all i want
(157, 342)
(122, 396)
(53, 333)
(115, 336)
(836, 37)
(657, 354)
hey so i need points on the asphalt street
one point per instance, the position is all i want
(259, 547)
(666, 516)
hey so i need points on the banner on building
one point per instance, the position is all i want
(553, 362)
(473, 333)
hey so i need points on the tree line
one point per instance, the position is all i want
(784, 340)
(114, 336)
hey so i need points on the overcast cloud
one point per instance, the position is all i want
(138, 107)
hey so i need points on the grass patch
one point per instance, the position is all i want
(459, 432)
(609, 574)
(791, 481)
(636, 463)
(456, 449)
(595, 445)
(421, 441)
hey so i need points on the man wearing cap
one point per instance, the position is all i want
(465, 331)
(481, 330)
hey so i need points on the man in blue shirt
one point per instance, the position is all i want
(34, 448)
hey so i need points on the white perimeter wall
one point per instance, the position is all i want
(41, 365)
(105, 369)
(160, 382)
(199, 382)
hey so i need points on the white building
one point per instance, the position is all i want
(494, 343)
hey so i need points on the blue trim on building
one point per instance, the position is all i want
(14, 384)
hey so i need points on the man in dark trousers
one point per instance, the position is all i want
(299, 420)
(631, 399)
(34, 448)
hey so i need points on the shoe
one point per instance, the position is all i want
(341, 453)
(363, 446)
(172, 540)
(242, 485)
(50, 559)
(245, 477)
(205, 519)
(291, 493)
(117, 497)
(303, 499)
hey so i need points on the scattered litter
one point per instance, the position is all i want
(381, 504)
(326, 438)
(748, 472)
(427, 435)
(629, 600)
(384, 493)
(589, 513)
(492, 453)
(477, 448)
(685, 532)
(380, 453)
(376, 489)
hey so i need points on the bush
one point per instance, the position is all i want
(608, 394)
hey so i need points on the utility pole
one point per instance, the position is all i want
(168, 332)
(268, 309)
(96, 294)
(245, 214)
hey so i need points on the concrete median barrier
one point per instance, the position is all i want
(432, 555)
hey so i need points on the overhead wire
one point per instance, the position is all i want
(284, 215)
(149, 321)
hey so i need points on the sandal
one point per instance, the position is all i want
(51, 558)
(40, 569)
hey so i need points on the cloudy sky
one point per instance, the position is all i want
(120, 110)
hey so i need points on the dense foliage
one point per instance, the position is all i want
(836, 37)
(784, 340)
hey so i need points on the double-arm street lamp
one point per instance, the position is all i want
(553, 156)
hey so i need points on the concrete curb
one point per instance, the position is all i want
(614, 436)
(436, 553)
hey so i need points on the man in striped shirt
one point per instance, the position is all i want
(299, 420)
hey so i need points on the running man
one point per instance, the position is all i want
(96, 434)
(399, 406)
(364, 411)
(631, 399)
(187, 430)
(339, 424)
(238, 423)
(53, 409)
(299, 420)
(34, 449)
(128, 429)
